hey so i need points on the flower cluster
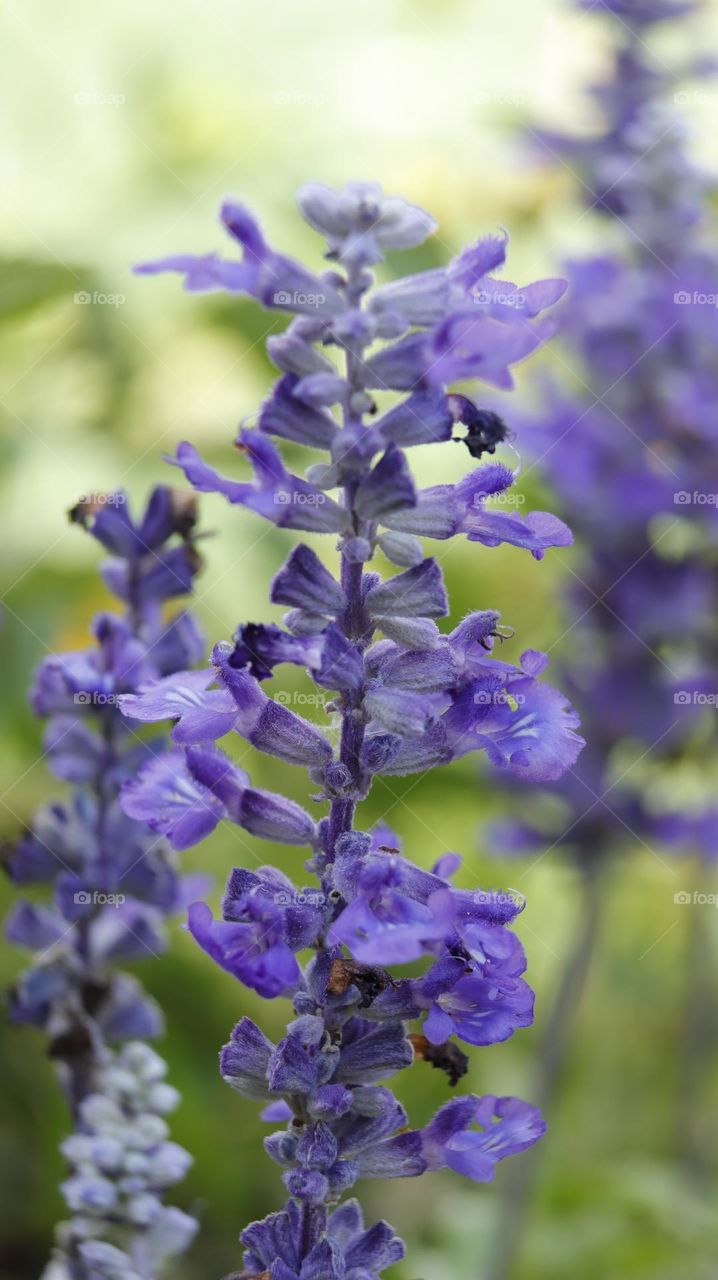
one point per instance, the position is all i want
(120, 1165)
(404, 698)
(632, 455)
(112, 883)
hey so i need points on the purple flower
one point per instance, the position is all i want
(266, 919)
(404, 697)
(507, 1126)
(113, 884)
(271, 278)
(184, 696)
(184, 795)
(389, 919)
(349, 1251)
(253, 951)
(480, 1010)
(277, 495)
(444, 511)
(240, 706)
(641, 11)
(360, 222)
(637, 648)
(143, 569)
(525, 727)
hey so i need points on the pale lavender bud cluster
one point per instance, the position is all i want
(120, 1165)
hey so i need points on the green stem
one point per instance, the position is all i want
(698, 1039)
(520, 1176)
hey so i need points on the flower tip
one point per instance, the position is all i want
(184, 452)
(241, 224)
(198, 914)
(231, 212)
(221, 652)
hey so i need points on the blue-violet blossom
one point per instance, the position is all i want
(112, 882)
(631, 457)
(406, 697)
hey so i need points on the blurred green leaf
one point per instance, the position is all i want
(26, 285)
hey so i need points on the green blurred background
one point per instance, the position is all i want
(130, 120)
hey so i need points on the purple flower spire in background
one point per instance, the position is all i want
(111, 882)
(632, 456)
(405, 697)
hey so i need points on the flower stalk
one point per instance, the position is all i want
(406, 697)
(630, 461)
(111, 883)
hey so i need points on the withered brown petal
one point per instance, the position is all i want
(370, 981)
(447, 1057)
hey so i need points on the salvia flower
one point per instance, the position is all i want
(406, 696)
(633, 458)
(631, 454)
(110, 884)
